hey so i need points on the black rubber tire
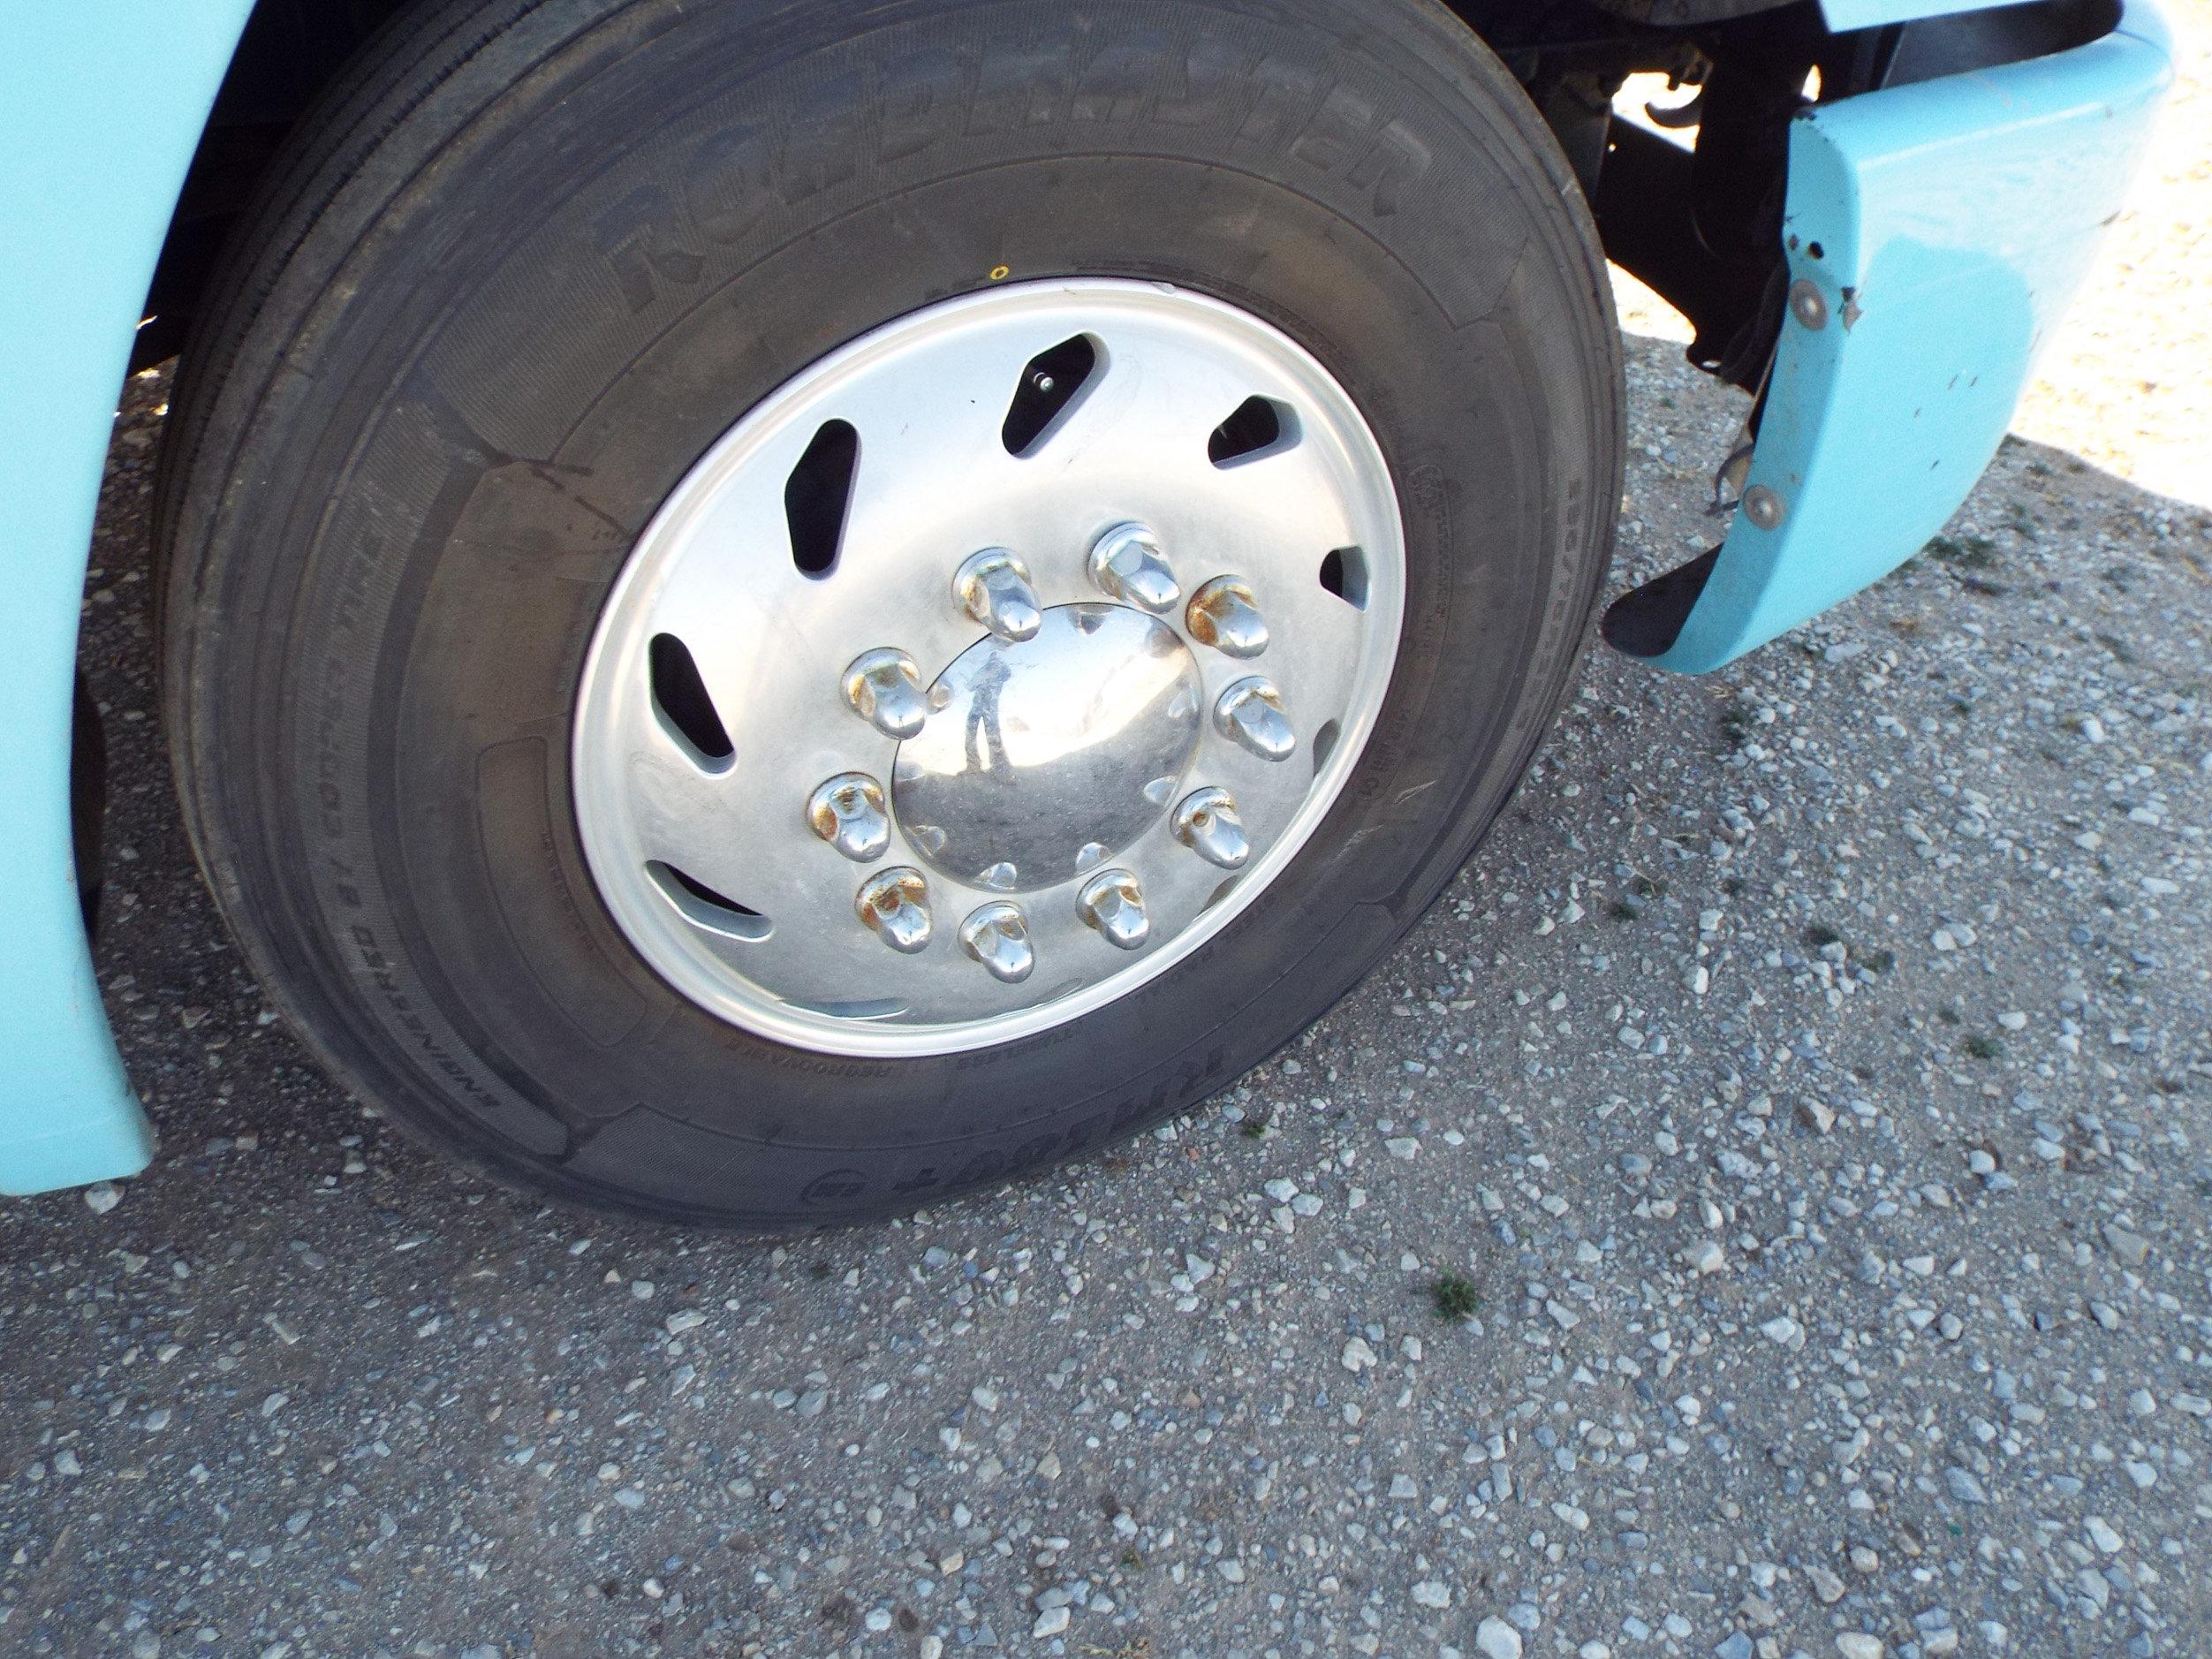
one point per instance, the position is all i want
(534, 258)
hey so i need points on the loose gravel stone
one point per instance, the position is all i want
(1705, 1256)
(2131, 1248)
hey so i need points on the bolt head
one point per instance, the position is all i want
(1250, 715)
(1128, 564)
(1207, 822)
(1764, 508)
(1224, 615)
(848, 812)
(993, 588)
(883, 688)
(895, 908)
(998, 936)
(1808, 304)
(1112, 904)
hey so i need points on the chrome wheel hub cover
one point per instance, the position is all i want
(1041, 758)
(988, 668)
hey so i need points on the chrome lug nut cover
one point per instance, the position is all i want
(1127, 564)
(997, 935)
(896, 905)
(849, 813)
(1250, 715)
(1224, 615)
(884, 688)
(1207, 822)
(993, 588)
(1113, 903)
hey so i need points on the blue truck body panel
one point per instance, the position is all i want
(1959, 214)
(101, 106)
(1946, 225)
(1866, 14)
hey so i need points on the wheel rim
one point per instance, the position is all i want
(988, 668)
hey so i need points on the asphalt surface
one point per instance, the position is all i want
(1762, 1209)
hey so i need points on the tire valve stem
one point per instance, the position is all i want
(896, 905)
(1113, 903)
(993, 588)
(1207, 822)
(1250, 715)
(848, 812)
(1224, 615)
(1128, 564)
(997, 935)
(884, 688)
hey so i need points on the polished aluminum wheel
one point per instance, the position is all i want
(988, 668)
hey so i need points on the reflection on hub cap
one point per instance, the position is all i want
(1031, 752)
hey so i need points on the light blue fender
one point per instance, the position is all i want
(1945, 225)
(101, 103)
(1866, 14)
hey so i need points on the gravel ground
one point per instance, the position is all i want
(1762, 1210)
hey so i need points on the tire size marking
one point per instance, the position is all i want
(727, 184)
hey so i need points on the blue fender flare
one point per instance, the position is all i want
(102, 105)
(1935, 234)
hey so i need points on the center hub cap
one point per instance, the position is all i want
(1041, 759)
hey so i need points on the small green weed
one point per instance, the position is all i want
(1455, 1297)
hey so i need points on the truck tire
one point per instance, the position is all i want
(777, 611)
